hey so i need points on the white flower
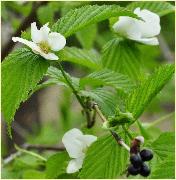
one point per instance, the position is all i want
(76, 145)
(43, 42)
(138, 30)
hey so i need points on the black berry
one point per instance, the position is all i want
(136, 160)
(146, 155)
(132, 170)
(145, 170)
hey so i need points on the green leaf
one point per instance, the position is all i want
(87, 58)
(160, 8)
(164, 154)
(105, 98)
(122, 56)
(107, 77)
(87, 36)
(57, 78)
(21, 71)
(148, 89)
(164, 170)
(56, 165)
(33, 174)
(165, 145)
(44, 17)
(79, 18)
(104, 159)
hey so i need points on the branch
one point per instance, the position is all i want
(38, 147)
(90, 122)
(24, 25)
(118, 139)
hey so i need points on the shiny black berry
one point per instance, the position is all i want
(136, 160)
(146, 155)
(132, 170)
(145, 170)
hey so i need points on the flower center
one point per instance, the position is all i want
(44, 46)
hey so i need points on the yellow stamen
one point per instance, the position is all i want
(44, 46)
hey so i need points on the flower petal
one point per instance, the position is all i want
(74, 165)
(126, 26)
(44, 30)
(73, 146)
(149, 41)
(49, 56)
(88, 139)
(36, 36)
(151, 25)
(31, 44)
(36, 49)
(56, 41)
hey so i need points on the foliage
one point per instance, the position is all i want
(161, 8)
(104, 150)
(23, 78)
(121, 76)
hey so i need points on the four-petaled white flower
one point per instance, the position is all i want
(76, 144)
(43, 42)
(138, 30)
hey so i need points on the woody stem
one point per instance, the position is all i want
(117, 137)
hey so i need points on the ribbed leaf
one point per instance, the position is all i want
(79, 18)
(107, 77)
(87, 36)
(164, 170)
(104, 97)
(87, 58)
(104, 159)
(21, 71)
(148, 89)
(164, 154)
(57, 78)
(165, 145)
(161, 8)
(123, 57)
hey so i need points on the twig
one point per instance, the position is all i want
(87, 112)
(95, 106)
(38, 147)
(30, 153)
(42, 148)
(118, 139)
(24, 25)
(11, 158)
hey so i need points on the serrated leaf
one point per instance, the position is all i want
(79, 18)
(160, 8)
(148, 89)
(87, 36)
(105, 98)
(122, 56)
(21, 71)
(164, 145)
(107, 77)
(104, 159)
(164, 170)
(87, 58)
(56, 165)
(57, 77)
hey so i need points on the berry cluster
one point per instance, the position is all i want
(138, 158)
(137, 165)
